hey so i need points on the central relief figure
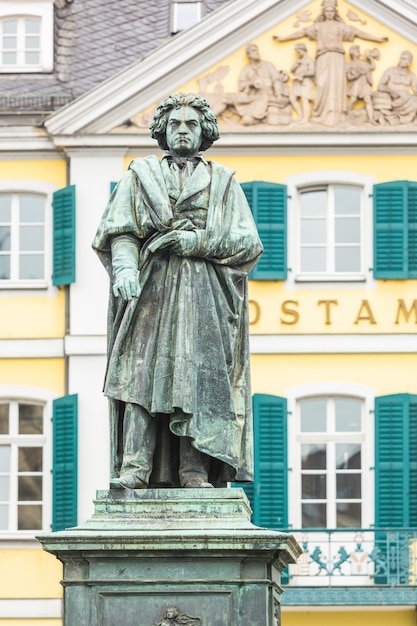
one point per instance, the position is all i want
(178, 241)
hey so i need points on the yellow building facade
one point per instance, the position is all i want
(32, 376)
(333, 305)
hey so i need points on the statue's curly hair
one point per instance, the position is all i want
(209, 127)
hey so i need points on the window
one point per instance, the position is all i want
(185, 14)
(330, 231)
(26, 36)
(330, 227)
(21, 41)
(331, 462)
(22, 237)
(22, 466)
(34, 244)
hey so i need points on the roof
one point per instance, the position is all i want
(94, 39)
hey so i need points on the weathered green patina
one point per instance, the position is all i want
(167, 557)
(178, 240)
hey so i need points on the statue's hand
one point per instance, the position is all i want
(126, 285)
(181, 242)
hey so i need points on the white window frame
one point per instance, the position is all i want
(44, 10)
(175, 25)
(16, 186)
(296, 439)
(33, 395)
(310, 180)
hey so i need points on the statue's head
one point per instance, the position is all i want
(354, 51)
(300, 47)
(406, 58)
(171, 612)
(195, 107)
(252, 52)
(329, 11)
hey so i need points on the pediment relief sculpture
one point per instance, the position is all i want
(330, 104)
(335, 90)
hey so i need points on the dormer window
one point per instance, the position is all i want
(184, 14)
(26, 36)
(21, 41)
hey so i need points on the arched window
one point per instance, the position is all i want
(26, 36)
(25, 461)
(22, 237)
(331, 461)
(21, 41)
(330, 226)
(331, 453)
(330, 230)
(37, 234)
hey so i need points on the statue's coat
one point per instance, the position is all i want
(181, 348)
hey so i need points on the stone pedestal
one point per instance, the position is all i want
(170, 557)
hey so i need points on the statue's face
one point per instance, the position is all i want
(253, 53)
(405, 60)
(184, 133)
(329, 13)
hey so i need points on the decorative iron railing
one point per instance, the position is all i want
(355, 557)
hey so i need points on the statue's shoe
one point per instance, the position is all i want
(127, 481)
(197, 483)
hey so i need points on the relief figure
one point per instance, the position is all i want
(261, 87)
(359, 74)
(173, 617)
(330, 31)
(396, 98)
(303, 71)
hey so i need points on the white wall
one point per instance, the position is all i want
(91, 170)
(86, 375)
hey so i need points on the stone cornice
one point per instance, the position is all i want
(258, 143)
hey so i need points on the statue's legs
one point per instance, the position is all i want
(139, 440)
(194, 466)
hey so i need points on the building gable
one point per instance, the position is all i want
(214, 52)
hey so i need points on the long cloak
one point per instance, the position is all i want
(181, 348)
(330, 104)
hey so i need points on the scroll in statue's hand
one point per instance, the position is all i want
(126, 285)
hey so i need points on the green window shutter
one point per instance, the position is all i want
(412, 230)
(65, 462)
(63, 204)
(391, 229)
(271, 466)
(396, 461)
(268, 202)
(413, 460)
(268, 492)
